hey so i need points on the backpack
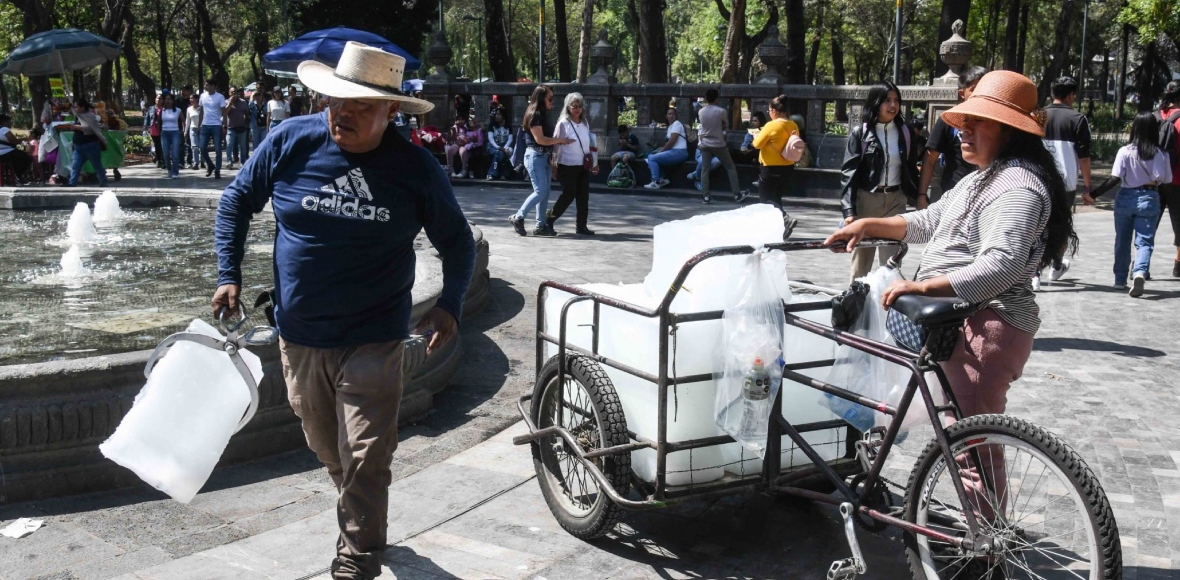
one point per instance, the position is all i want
(794, 149)
(1169, 140)
(621, 176)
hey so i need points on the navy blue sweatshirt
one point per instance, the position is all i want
(346, 223)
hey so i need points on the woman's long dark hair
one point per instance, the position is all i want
(170, 97)
(1029, 151)
(1145, 130)
(878, 94)
(536, 105)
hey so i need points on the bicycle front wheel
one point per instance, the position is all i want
(1041, 511)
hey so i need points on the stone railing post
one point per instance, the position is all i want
(601, 106)
(436, 88)
(955, 52)
(773, 53)
(602, 54)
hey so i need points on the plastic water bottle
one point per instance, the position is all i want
(856, 415)
(755, 392)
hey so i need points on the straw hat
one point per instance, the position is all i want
(363, 72)
(1005, 97)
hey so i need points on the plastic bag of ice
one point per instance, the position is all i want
(184, 416)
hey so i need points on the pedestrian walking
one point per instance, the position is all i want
(213, 121)
(500, 144)
(350, 196)
(237, 122)
(711, 143)
(575, 162)
(170, 128)
(984, 240)
(880, 169)
(945, 147)
(257, 111)
(1142, 166)
(776, 174)
(674, 151)
(538, 140)
(1169, 141)
(151, 121)
(277, 110)
(192, 120)
(88, 142)
(1067, 136)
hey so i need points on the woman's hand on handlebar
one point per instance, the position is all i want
(901, 288)
(851, 234)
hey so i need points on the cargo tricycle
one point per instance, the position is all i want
(990, 496)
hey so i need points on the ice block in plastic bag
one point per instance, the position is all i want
(184, 416)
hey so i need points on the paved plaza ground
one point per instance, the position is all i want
(463, 504)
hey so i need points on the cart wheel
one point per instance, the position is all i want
(590, 410)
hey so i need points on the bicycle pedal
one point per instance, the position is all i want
(842, 569)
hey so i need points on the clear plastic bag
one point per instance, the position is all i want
(751, 368)
(871, 376)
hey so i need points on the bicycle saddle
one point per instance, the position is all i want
(933, 311)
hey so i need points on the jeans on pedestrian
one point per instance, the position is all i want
(1135, 216)
(171, 143)
(239, 147)
(194, 146)
(537, 164)
(669, 157)
(84, 152)
(258, 133)
(500, 164)
(211, 132)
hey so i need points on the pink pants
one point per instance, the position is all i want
(464, 152)
(988, 357)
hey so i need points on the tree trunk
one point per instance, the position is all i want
(587, 41)
(952, 10)
(1060, 49)
(499, 48)
(105, 80)
(1104, 80)
(143, 81)
(817, 36)
(1120, 89)
(797, 43)
(119, 104)
(633, 13)
(36, 16)
(1012, 36)
(162, 44)
(735, 35)
(838, 74)
(653, 45)
(208, 48)
(261, 44)
(1023, 38)
(563, 42)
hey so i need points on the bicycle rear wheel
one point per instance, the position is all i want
(1040, 508)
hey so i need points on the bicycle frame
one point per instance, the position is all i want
(770, 479)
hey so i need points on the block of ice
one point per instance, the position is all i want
(677, 241)
(184, 416)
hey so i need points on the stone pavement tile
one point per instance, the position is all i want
(238, 502)
(191, 543)
(303, 547)
(135, 525)
(289, 513)
(127, 563)
(232, 562)
(455, 485)
(448, 550)
(58, 547)
(498, 454)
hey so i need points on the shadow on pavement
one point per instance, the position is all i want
(403, 560)
(1057, 344)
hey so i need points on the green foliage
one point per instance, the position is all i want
(1105, 147)
(1152, 17)
(138, 143)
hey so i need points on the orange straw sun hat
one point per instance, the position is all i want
(1003, 96)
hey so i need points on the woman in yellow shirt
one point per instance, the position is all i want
(774, 178)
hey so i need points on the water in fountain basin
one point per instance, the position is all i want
(71, 263)
(106, 208)
(81, 228)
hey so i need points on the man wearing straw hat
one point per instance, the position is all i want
(349, 197)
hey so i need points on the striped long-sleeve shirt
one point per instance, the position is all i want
(988, 242)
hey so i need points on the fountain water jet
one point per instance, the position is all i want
(81, 228)
(71, 263)
(106, 208)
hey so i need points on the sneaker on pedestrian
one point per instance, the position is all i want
(216, 175)
(741, 196)
(1056, 274)
(789, 224)
(1137, 286)
(663, 181)
(1120, 285)
(584, 231)
(490, 177)
(652, 185)
(208, 172)
(1036, 283)
(544, 231)
(517, 224)
(229, 165)
(706, 200)
(754, 185)
(1176, 268)
(694, 176)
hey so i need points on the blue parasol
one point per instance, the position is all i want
(326, 46)
(59, 51)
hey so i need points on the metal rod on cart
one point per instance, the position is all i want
(842, 393)
(604, 360)
(561, 325)
(662, 403)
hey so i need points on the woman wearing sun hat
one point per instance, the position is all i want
(987, 237)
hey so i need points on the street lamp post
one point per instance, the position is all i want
(897, 46)
(541, 46)
(1082, 61)
(471, 18)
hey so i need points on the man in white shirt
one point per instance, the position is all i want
(212, 126)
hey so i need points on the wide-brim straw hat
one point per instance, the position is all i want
(363, 72)
(1003, 96)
